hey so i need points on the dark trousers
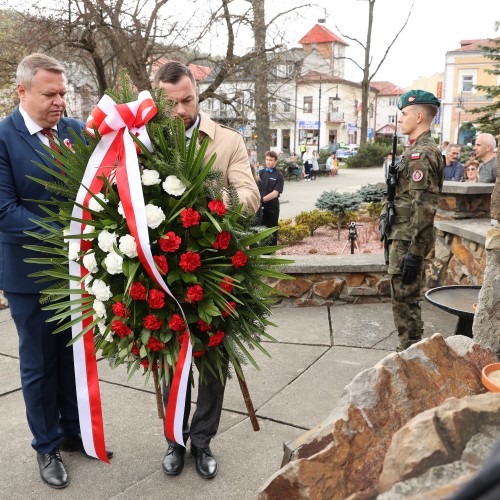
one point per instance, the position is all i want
(206, 418)
(47, 373)
(270, 217)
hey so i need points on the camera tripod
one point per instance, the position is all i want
(352, 237)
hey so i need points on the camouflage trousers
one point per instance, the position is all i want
(406, 299)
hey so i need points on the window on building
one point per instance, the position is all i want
(308, 104)
(286, 105)
(393, 101)
(251, 103)
(392, 119)
(467, 83)
(238, 100)
(370, 111)
(308, 136)
(222, 105)
(208, 104)
(274, 137)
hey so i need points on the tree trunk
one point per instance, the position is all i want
(260, 72)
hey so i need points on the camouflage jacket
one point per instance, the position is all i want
(420, 180)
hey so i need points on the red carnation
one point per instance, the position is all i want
(138, 291)
(151, 322)
(239, 259)
(194, 293)
(227, 285)
(156, 299)
(198, 354)
(182, 336)
(190, 261)
(190, 217)
(135, 350)
(170, 242)
(120, 328)
(204, 327)
(217, 207)
(222, 240)
(228, 309)
(85, 246)
(216, 339)
(176, 323)
(161, 262)
(154, 344)
(145, 364)
(119, 309)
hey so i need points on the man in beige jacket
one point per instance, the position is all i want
(180, 87)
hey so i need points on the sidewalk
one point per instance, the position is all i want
(319, 351)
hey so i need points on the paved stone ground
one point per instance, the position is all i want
(318, 352)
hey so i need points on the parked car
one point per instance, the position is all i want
(343, 153)
(330, 148)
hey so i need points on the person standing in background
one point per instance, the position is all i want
(453, 169)
(315, 165)
(271, 187)
(471, 171)
(485, 150)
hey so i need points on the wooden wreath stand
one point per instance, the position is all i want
(244, 392)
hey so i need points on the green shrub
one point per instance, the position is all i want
(340, 204)
(369, 155)
(370, 192)
(291, 234)
(314, 219)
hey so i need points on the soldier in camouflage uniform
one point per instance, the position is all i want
(411, 237)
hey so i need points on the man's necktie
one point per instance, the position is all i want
(48, 132)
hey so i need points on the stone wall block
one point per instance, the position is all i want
(354, 279)
(384, 287)
(329, 289)
(293, 288)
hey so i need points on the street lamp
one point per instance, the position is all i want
(336, 98)
(460, 109)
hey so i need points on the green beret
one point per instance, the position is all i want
(417, 97)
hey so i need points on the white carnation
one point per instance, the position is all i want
(120, 209)
(94, 204)
(150, 177)
(88, 230)
(101, 291)
(90, 262)
(113, 263)
(66, 232)
(87, 285)
(127, 246)
(109, 336)
(154, 216)
(73, 251)
(106, 240)
(102, 327)
(173, 186)
(100, 309)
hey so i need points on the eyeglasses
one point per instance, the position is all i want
(471, 169)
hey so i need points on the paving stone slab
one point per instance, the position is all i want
(10, 379)
(301, 325)
(8, 334)
(312, 397)
(245, 458)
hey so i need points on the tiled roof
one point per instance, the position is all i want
(321, 34)
(199, 72)
(387, 88)
(474, 45)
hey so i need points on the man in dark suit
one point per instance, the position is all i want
(46, 364)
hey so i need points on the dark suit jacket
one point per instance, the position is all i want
(18, 151)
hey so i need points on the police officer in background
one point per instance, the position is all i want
(420, 180)
(271, 186)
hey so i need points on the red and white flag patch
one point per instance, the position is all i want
(415, 156)
(418, 175)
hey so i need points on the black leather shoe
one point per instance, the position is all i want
(75, 443)
(206, 465)
(173, 461)
(52, 470)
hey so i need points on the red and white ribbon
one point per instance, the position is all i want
(116, 152)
